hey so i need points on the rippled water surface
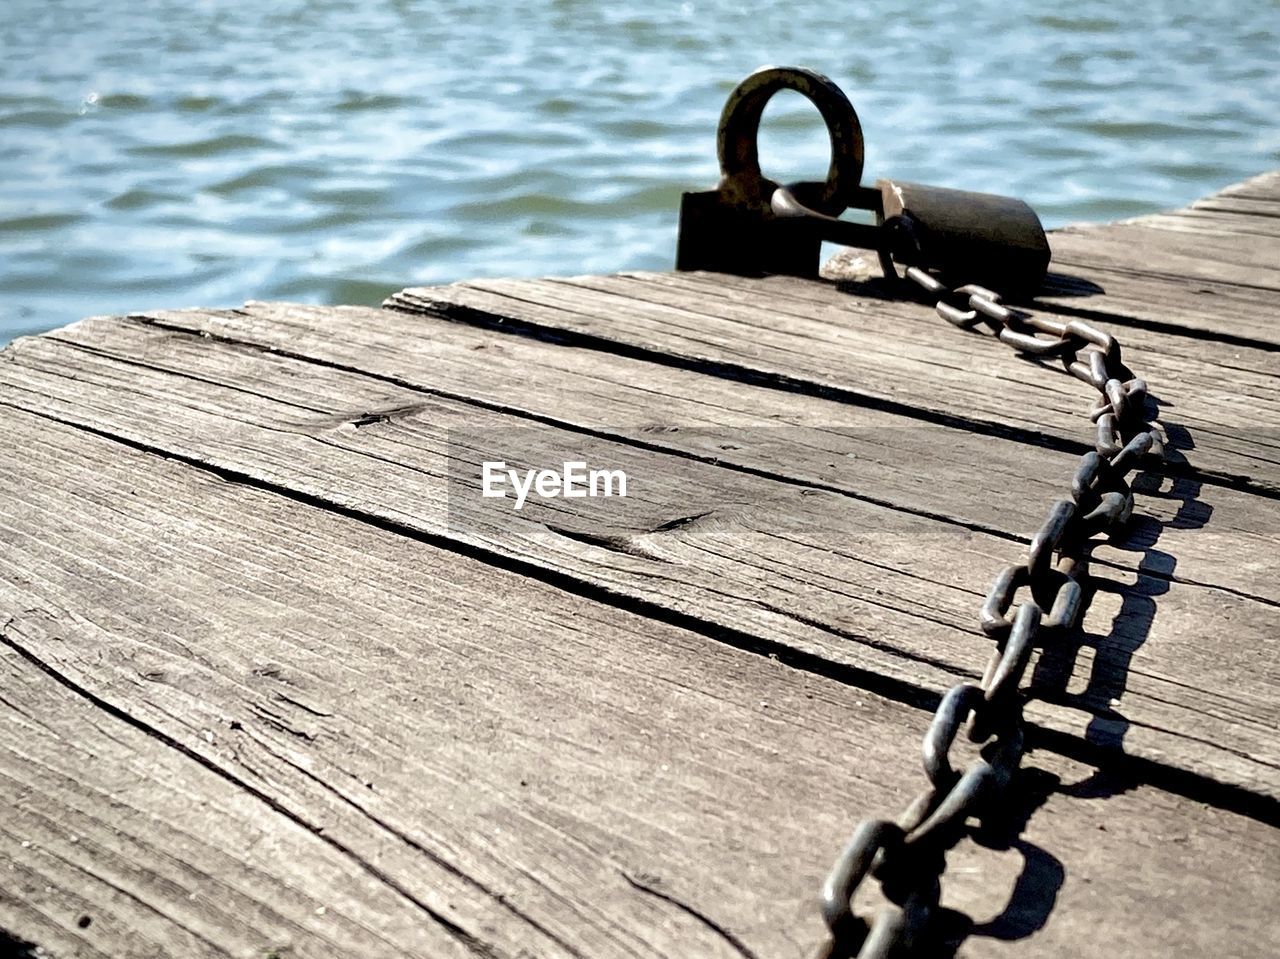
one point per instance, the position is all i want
(158, 153)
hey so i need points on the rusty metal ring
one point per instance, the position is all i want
(736, 141)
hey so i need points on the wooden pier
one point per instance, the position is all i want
(275, 685)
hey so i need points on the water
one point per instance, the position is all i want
(161, 154)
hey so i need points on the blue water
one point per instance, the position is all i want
(163, 154)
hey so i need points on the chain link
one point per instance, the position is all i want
(907, 857)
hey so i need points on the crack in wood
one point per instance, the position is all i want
(1194, 785)
(787, 383)
(648, 885)
(473, 943)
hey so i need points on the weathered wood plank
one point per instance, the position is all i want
(1264, 186)
(889, 592)
(891, 354)
(117, 843)
(868, 454)
(553, 775)
(1213, 285)
(1211, 219)
(1175, 289)
(1152, 316)
(1245, 209)
(1267, 207)
(1142, 251)
(1205, 257)
(897, 320)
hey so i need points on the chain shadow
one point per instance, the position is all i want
(1042, 875)
(15, 947)
(1036, 889)
(1113, 651)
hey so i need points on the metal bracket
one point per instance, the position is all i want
(747, 225)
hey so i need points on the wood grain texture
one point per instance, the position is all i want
(1219, 404)
(1176, 275)
(872, 455)
(541, 775)
(888, 590)
(119, 840)
(1195, 312)
(274, 682)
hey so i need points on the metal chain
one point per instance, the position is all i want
(907, 856)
